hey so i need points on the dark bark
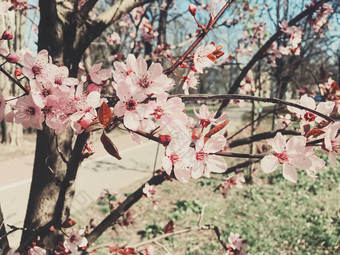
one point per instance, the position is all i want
(4, 246)
(163, 21)
(66, 34)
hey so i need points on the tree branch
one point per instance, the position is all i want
(197, 41)
(123, 207)
(196, 97)
(263, 49)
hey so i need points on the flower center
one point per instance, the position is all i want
(30, 111)
(130, 105)
(201, 155)
(45, 92)
(174, 158)
(58, 80)
(158, 112)
(36, 70)
(282, 157)
(144, 82)
(205, 123)
(309, 116)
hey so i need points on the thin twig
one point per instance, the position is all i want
(195, 97)
(14, 80)
(197, 41)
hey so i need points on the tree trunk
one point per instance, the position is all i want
(4, 246)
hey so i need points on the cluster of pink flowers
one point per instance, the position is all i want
(54, 97)
(294, 153)
(321, 17)
(295, 38)
(135, 84)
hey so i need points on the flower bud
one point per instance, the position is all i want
(92, 87)
(192, 9)
(12, 58)
(17, 73)
(164, 139)
(7, 35)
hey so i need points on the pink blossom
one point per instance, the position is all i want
(206, 117)
(201, 59)
(28, 113)
(237, 244)
(75, 240)
(291, 154)
(149, 190)
(190, 81)
(332, 142)
(114, 38)
(204, 163)
(128, 105)
(124, 70)
(58, 76)
(177, 158)
(36, 250)
(36, 68)
(97, 75)
(168, 112)
(283, 121)
(149, 81)
(324, 107)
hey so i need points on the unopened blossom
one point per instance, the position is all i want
(206, 117)
(36, 250)
(192, 9)
(190, 81)
(149, 190)
(201, 59)
(28, 113)
(12, 58)
(291, 155)
(75, 240)
(204, 162)
(332, 142)
(97, 75)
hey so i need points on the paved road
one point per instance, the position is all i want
(93, 176)
(96, 173)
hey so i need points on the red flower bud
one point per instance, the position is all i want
(164, 139)
(7, 35)
(17, 73)
(12, 58)
(192, 9)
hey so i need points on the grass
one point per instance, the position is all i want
(273, 215)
